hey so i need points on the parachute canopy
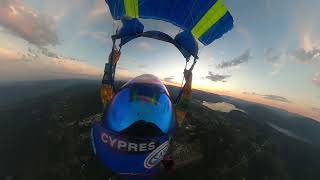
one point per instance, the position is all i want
(205, 20)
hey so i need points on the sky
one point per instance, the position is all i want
(272, 56)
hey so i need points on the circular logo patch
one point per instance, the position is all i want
(156, 156)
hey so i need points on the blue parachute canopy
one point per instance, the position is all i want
(187, 44)
(207, 20)
(130, 27)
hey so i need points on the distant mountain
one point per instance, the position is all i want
(302, 126)
(197, 94)
(12, 92)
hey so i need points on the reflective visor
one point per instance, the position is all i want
(140, 102)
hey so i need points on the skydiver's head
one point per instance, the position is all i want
(142, 101)
(136, 127)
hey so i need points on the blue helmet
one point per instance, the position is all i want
(134, 134)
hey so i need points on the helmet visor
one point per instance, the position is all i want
(140, 102)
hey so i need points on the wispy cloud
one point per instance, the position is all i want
(144, 45)
(309, 51)
(169, 79)
(22, 21)
(100, 36)
(249, 93)
(243, 58)
(217, 77)
(276, 59)
(35, 53)
(306, 56)
(276, 98)
(142, 66)
(315, 109)
(316, 79)
(99, 11)
(244, 31)
(44, 51)
(8, 55)
(272, 55)
(279, 59)
(269, 97)
(122, 68)
(43, 67)
(316, 112)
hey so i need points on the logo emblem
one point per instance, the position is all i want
(156, 156)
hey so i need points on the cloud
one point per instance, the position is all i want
(279, 59)
(44, 51)
(243, 58)
(272, 55)
(142, 66)
(276, 98)
(276, 59)
(249, 93)
(30, 55)
(245, 34)
(316, 79)
(144, 45)
(76, 67)
(268, 96)
(169, 79)
(122, 68)
(217, 77)
(35, 53)
(22, 21)
(316, 112)
(315, 109)
(306, 56)
(8, 55)
(100, 36)
(309, 42)
(99, 11)
(19, 66)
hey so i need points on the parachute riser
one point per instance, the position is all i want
(110, 66)
(178, 98)
(151, 34)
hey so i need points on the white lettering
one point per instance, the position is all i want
(132, 146)
(112, 141)
(104, 138)
(121, 144)
(143, 147)
(151, 146)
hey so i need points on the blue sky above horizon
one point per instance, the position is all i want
(272, 55)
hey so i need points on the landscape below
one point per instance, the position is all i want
(45, 135)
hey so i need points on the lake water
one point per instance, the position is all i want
(221, 106)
